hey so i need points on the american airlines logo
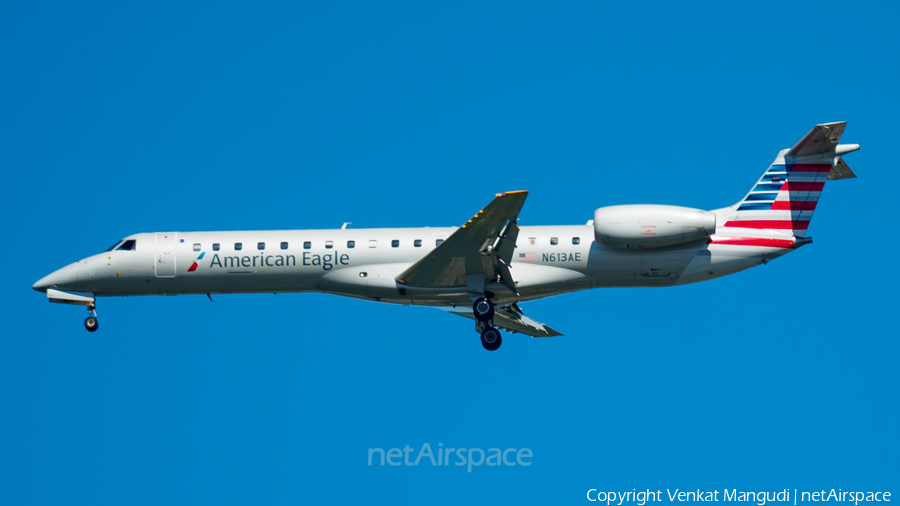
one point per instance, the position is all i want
(194, 265)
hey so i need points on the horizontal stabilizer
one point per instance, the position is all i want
(840, 170)
(821, 139)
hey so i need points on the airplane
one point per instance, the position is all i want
(485, 268)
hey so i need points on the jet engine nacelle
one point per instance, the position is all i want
(651, 226)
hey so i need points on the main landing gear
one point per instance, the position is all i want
(91, 323)
(483, 310)
(491, 339)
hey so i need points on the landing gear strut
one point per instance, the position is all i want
(91, 323)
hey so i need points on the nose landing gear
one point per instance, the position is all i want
(78, 299)
(91, 323)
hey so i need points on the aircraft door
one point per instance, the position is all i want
(164, 259)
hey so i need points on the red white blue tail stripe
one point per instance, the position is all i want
(783, 199)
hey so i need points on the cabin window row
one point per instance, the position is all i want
(238, 246)
(130, 244)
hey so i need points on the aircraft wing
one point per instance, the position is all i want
(480, 250)
(512, 319)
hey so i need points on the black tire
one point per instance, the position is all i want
(483, 309)
(491, 339)
(91, 324)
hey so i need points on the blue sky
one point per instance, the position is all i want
(117, 119)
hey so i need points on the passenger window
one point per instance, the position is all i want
(351, 244)
(238, 246)
(127, 245)
(284, 245)
(554, 241)
(395, 243)
(373, 243)
(576, 240)
(329, 244)
(196, 246)
(260, 245)
(437, 242)
(215, 246)
(417, 243)
(307, 245)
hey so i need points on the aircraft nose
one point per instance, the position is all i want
(55, 279)
(43, 284)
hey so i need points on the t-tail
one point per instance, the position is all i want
(781, 204)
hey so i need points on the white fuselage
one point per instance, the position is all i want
(364, 263)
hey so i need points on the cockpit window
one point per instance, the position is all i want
(127, 245)
(114, 245)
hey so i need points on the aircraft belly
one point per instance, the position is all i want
(630, 267)
(609, 267)
(374, 282)
(722, 260)
(533, 280)
(211, 284)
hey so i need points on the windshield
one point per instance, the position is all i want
(113, 246)
(127, 245)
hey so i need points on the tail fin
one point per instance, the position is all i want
(783, 200)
